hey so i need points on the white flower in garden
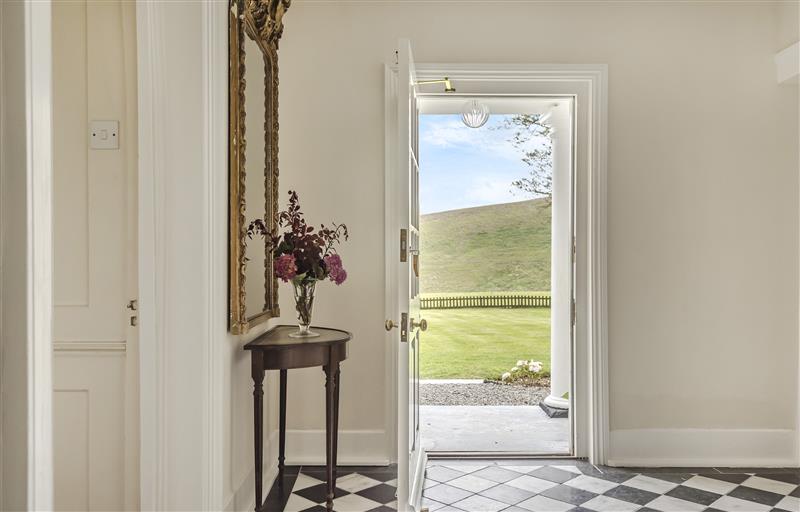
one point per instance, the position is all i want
(506, 376)
(531, 368)
(514, 369)
(521, 363)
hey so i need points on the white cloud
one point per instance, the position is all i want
(489, 140)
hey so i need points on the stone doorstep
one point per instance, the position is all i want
(554, 412)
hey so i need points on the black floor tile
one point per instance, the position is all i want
(318, 493)
(756, 495)
(694, 495)
(632, 495)
(786, 477)
(381, 493)
(734, 478)
(675, 478)
(569, 494)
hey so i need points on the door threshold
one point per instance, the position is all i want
(502, 455)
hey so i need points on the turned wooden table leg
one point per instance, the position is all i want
(258, 421)
(336, 425)
(282, 429)
(330, 431)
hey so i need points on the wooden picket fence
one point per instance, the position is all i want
(485, 301)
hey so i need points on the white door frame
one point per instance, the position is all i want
(590, 225)
(36, 72)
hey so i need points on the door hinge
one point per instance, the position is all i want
(133, 305)
(403, 245)
(404, 327)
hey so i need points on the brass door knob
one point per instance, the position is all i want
(422, 324)
(389, 325)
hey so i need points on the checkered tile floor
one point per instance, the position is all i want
(358, 489)
(545, 486)
(576, 486)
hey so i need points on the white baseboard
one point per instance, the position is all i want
(704, 447)
(356, 447)
(243, 498)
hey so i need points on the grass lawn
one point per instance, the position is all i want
(482, 342)
(487, 248)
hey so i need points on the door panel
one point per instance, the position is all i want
(410, 455)
(95, 379)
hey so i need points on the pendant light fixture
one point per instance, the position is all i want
(475, 114)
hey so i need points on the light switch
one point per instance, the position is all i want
(104, 134)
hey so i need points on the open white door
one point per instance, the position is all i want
(405, 323)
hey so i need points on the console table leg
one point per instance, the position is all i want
(336, 425)
(282, 429)
(330, 392)
(258, 422)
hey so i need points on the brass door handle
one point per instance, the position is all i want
(422, 324)
(389, 325)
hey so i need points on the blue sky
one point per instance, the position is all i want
(462, 167)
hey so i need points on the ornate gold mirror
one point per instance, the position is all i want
(254, 28)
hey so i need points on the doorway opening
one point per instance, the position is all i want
(496, 274)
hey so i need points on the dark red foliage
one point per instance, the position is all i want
(309, 247)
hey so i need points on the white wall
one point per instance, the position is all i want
(197, 420)
(700, 215)
(702, 193)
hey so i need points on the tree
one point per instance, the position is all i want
(539, 181)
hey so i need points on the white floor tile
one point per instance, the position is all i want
(472, 483)
(731, 504)
(463, 468)
(355, 482)
(354, 503)
(303, 482)
(670, 504)
(647, 483)
(521, 469)
(544, 504)
(608, 504)
(765, 484)
(789, 503)
(571, 469)
(710, 484)
(297, 503)
(591, 484)
(531, 484)
(478, 503)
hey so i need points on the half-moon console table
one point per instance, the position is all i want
(275, 350)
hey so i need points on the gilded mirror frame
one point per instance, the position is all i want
(261, 21)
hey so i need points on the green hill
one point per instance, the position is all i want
(502, 247)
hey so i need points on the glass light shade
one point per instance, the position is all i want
(475, 114)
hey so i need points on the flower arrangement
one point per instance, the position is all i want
(525, 372)
(303, 255)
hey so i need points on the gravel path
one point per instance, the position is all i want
(480, 394)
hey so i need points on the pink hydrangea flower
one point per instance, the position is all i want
(285, 267)
(336, 271)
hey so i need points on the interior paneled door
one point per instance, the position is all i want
(95, 362)
(410, 455)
